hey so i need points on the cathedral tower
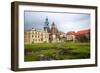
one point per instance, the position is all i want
(46, 25)
(54, 29)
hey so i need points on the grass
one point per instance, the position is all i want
(57, 51)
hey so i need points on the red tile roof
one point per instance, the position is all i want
(71, 33)
(81, 32)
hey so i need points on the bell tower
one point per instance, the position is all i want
(46, 25)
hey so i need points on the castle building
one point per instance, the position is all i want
(27, 37)
(36, 36)
(46, 35)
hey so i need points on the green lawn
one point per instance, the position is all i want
(57, 51)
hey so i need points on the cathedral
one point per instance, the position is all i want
(51, 34)
(47, 35)
(54, 34)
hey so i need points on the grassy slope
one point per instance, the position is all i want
(69, 50)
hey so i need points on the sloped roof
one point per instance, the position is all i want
(81, 32)
(71, 33)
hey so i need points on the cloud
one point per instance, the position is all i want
(64, 21)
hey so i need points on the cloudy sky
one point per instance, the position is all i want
(65, 22)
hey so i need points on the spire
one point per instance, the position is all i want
(54, 29)
(53, 24)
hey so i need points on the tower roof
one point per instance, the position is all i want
(53, 24)
(46, 23)
(54, 29)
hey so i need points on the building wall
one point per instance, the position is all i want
(34, 36)
(28, 37)
(70, 37)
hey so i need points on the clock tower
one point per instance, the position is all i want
(46, 25)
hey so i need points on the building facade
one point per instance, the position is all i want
(47, 35)
(28, 37)
(36, 36)
(81, 36)
(53, 35)
(71, 36)
(42, 36)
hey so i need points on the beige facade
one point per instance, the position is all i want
(71, 37)
(28, 37)
(36, 36)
